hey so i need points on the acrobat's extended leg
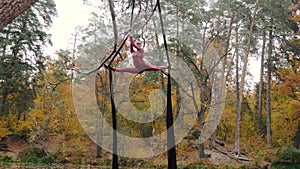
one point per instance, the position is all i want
(129, 70)
(155, 68)
(146, 67)
(137, 71)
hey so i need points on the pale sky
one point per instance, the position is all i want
(71, 13)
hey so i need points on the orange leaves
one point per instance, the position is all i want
(285, 106)
(289, 82)
(295, 16)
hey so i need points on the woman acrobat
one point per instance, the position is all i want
(140, 65)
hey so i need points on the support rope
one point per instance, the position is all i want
(115, 164)
(172, 164)
(132, 11)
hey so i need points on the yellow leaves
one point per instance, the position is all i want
(53, 110)
(140, 92)
(4, 131)
(16, 125)
(285, 107)
(297, 41)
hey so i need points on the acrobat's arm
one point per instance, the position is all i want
(133, 44)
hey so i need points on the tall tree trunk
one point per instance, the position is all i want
(223, 79)
(201, 153)
(178, 106)
(9, 10)
(260, 89)
(178, 98)
(268, 99)
(237, 90)
(203, 88)
(100, 115)
(242, 83)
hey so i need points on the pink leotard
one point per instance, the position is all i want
(139, 64)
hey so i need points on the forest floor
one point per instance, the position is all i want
(186, 153)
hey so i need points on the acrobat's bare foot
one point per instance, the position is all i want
(166, 67)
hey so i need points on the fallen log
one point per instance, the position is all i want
(233, 156)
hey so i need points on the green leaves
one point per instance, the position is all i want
(21, 56)
(288, 154)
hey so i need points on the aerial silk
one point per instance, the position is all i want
(139, 66)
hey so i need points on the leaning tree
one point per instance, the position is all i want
(9, 10)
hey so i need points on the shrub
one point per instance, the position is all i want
(107, 162)
(33, 160)
(36, 155)
(282, 165)
(287, 158)
(47, 160)
(32, 152)
(8, 159)
(289, 155)
(131, 162)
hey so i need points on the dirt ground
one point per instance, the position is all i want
(220, 156)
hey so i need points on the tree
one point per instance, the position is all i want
(53, 112)
(274, 21)
(209, 28)
(261, 87)
(268, 92)
(22, 59)
(285, 84)
(241, 86)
